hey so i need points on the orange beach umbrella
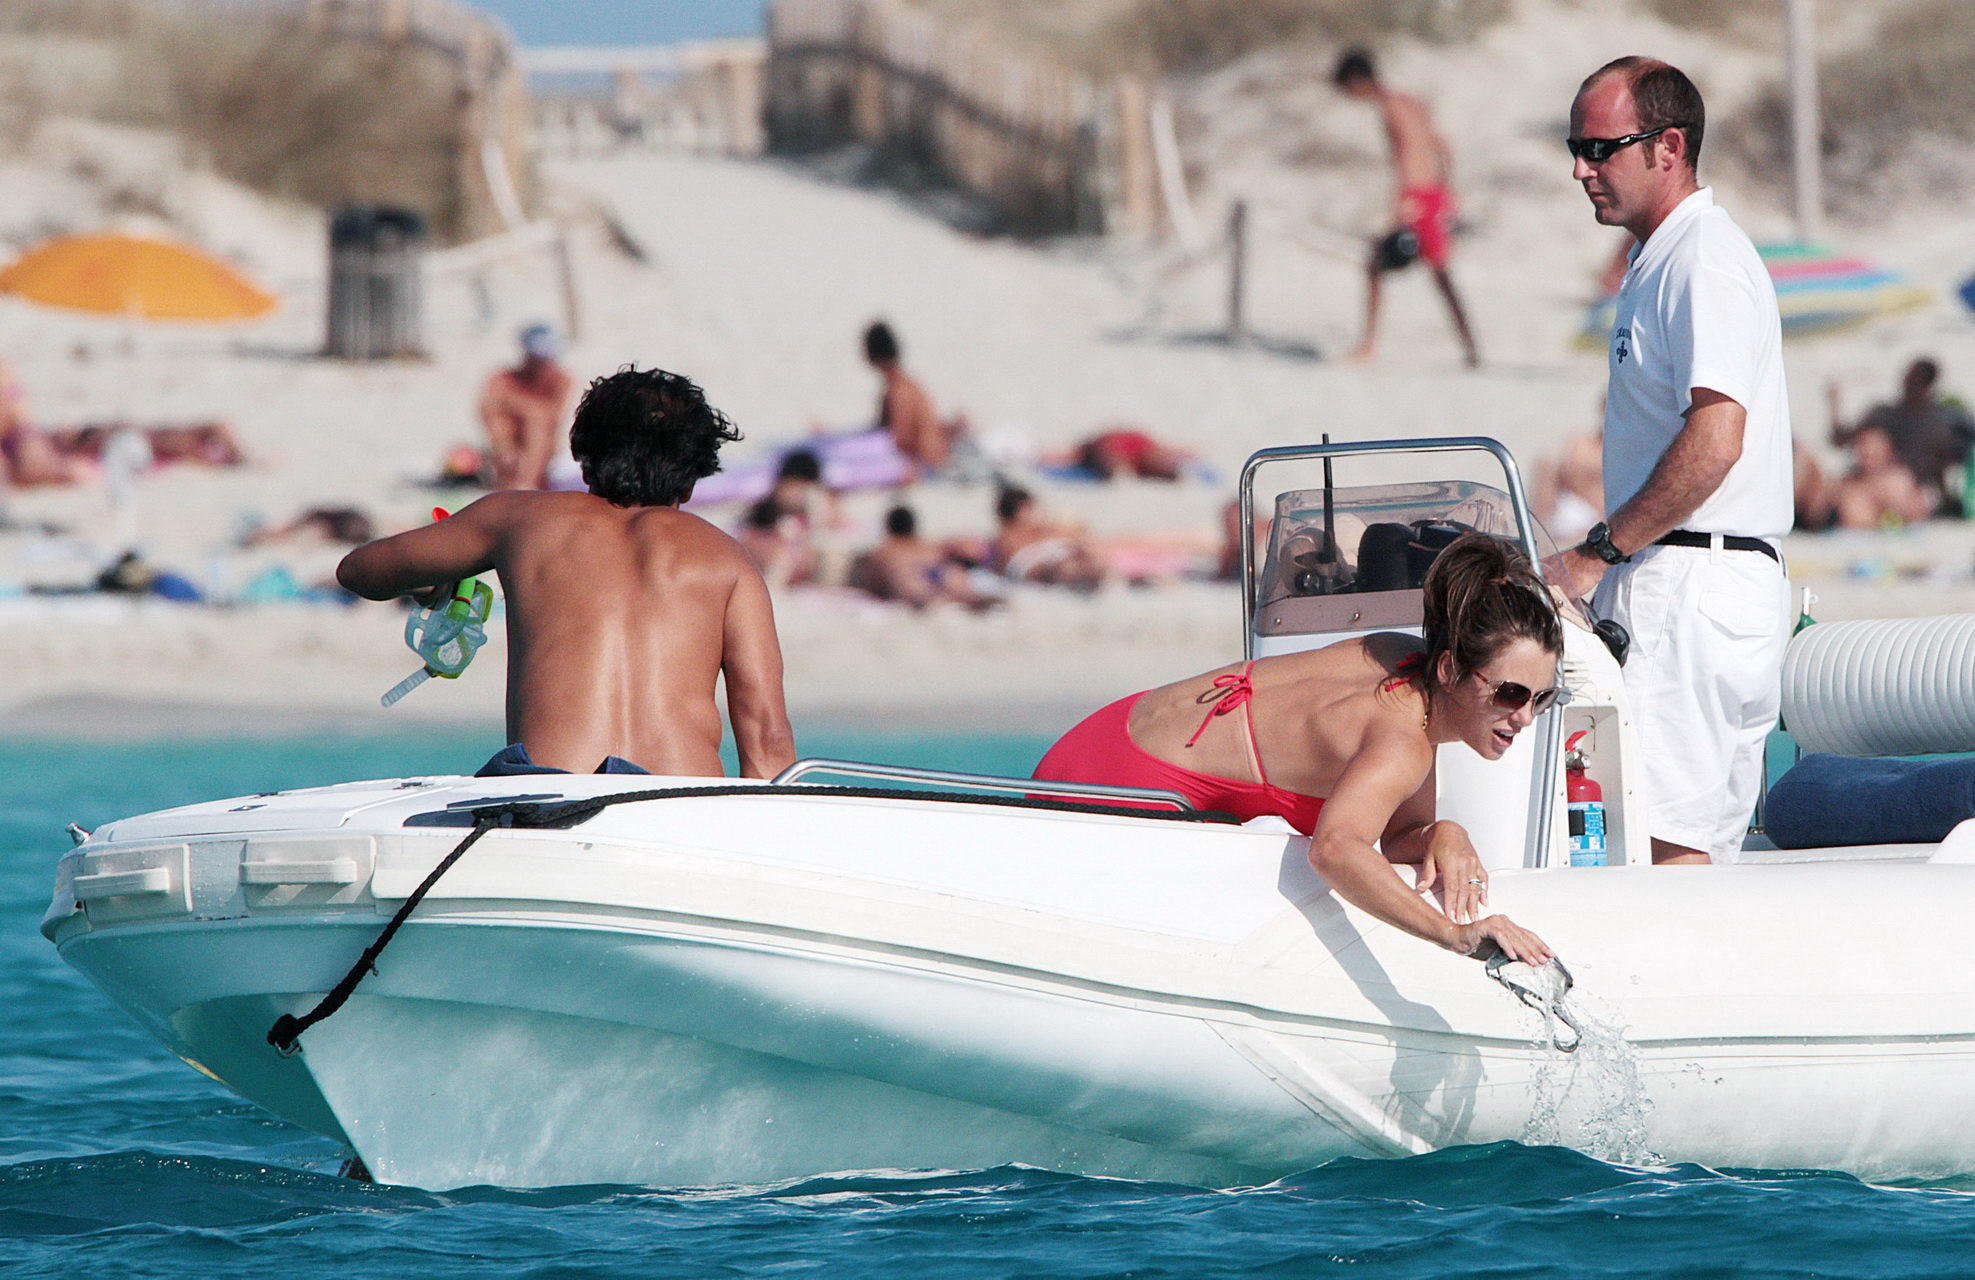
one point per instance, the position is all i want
(134, 276)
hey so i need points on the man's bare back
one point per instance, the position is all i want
(906, 411)
(622, 615)
(620, 622)
(1419, 157)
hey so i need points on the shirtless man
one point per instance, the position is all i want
(623, 611)
(904, 408)
(1423, 207)
(522, 409)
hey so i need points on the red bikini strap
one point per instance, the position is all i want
(1411, 665)
(1236, 690)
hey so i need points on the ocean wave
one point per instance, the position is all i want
(1498, 1210)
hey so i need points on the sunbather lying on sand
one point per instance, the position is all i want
(1030, 547)
(911, 570)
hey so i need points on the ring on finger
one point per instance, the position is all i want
(1477, 882)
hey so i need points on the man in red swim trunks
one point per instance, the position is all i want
(1423, 211)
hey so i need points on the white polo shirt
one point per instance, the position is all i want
(1697, 309)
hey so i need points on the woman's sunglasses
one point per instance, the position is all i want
(1599, 150)
(1510, 696)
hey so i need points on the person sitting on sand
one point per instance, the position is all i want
(1879, 490)
(28, 457)
(1030, 547)
(522, 409)
(776, 541)
(801, 496)
(1930, 436)
(1340, 741)
(908, 569)
(1570, 488)
(799, 491)
(623, 612)
(905, 411)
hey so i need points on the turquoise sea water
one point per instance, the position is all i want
(118, 1161)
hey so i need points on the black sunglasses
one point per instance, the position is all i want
(1510, 696)
(1599, 150)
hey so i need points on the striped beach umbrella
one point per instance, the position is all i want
(1818, 290)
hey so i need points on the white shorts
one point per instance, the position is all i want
(1704, 679)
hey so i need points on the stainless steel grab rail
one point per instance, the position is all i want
(982, 782)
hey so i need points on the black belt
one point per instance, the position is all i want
(1731, 541)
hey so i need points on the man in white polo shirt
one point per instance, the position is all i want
(1697, 464)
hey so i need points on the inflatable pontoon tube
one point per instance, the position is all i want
(1882, 687)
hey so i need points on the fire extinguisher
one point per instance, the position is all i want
(1587, 807)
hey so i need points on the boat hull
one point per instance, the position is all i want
(666, 995)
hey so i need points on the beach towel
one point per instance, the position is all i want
(1832, 800)
(856, 460)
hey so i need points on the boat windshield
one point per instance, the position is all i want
(1352, 558)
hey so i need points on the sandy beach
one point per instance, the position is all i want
(758, 278)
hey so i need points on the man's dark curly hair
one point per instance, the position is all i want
(645, 437)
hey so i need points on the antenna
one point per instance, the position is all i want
(1327, 554)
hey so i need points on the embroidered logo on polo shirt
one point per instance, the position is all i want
(1621, 343)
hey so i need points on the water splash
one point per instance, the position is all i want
(1592, 1099)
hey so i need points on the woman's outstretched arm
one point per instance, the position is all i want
(1389, 770)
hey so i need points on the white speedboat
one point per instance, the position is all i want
(685, 982)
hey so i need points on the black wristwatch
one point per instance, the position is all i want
(1599, 543)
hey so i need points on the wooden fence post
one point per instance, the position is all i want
(1137, 181)
(1237, 334)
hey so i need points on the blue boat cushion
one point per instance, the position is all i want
(513, 760)
(1829, 800)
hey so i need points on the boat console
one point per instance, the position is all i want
(1343, 561)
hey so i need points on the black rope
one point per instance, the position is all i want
(285, 1034)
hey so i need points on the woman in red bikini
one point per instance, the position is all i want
(1340, 741)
